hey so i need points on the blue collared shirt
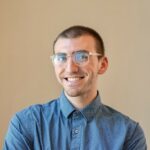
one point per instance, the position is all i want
(57, 125)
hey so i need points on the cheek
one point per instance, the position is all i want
(93, 68)
(57, 72)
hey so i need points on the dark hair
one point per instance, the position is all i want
(77, 31)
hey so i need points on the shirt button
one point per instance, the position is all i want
(76, 131)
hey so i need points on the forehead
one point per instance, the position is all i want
(69, 45)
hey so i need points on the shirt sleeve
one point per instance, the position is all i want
(136, 139)
(17, 136)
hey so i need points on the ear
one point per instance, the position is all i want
(103, 65)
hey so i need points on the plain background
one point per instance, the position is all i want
(27, 31)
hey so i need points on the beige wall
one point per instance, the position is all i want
(27, 30)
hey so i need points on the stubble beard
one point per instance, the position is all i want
(73, 92)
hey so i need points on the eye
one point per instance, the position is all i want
(81, 56)
(60, 57)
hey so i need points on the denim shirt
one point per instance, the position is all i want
(58, 125)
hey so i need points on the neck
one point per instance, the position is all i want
(81, 101)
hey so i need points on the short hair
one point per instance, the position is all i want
(77, 31)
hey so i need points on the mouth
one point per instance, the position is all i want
(74, 79)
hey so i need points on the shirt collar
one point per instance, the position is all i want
(66, 107)
(88, 112)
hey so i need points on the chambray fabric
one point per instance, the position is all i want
(57, 125)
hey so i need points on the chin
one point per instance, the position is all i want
(73, 93)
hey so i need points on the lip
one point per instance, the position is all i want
(73, 81)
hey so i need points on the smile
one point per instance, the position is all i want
(73, 79)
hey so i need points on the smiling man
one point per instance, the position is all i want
(77, 65)
(77, 120)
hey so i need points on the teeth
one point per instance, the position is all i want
(73, 79)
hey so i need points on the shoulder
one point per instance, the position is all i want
(120, 120)
(34, 112)
(133, 132)
(111, 113)
(26, 120)
(28, 117)
(23, 124)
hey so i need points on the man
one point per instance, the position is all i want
(77, 120)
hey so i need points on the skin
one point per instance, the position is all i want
(79, 83)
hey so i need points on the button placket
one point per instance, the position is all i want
(77, 120)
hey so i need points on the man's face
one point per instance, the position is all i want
(77, 80)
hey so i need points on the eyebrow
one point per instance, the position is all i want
(80, 50)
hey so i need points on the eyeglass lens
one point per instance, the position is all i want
(79, 57)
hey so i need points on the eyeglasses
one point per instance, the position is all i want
(80, 58)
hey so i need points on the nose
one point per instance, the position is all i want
(71, 66)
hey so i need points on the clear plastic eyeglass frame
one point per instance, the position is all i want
(80, 58)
